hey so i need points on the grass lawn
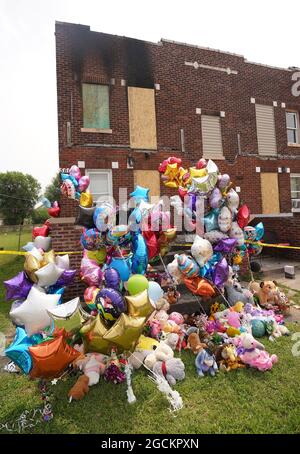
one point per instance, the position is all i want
(241, 401)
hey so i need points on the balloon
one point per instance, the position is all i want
(67, 315)
(54, 211)
(122, 265)
(48, 257)
(83, 183)
(214, 236)
(139, 305)
(201, 164)
(164, 239)
(220, 273)
(118, 235)
(46, 202)
(140, 194)
(68, 189)
(223, 181)
(187, 265)
(211, 220)
(33, 312)
(125, 332)
(250, 233)
(63, 261)
(75, 172)
(103, 217)
(50, 358)
(42, 242)
(90, 272)
(67, 277)
(99, 256)
(110, 303)
(226, 246)
(201, 250)
(66, 177)
(28, 246)
(215, 198)
(232, 200)
(85, 217)
(225, 219)
(112, 278)
(17, 287)
(195, 173)
(89, 296)
(40, 231)
(199, 286)
(35, 253)
(260, 231)
(243, 216)
(92, 334)
(91, 239)
(31, 265)
(171, 160)
(155, 291)
(56, 290)
(48, 275)
(140, 254)
(237, 233)
(86, 200)
(18, 350)
(137, 283)
(151, 242)
(135, 219)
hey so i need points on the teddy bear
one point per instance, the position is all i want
(80, 389)
(201, 250)
(266, 291)
(227, 358)
(172, 370)
(194, 343)
(93, 365)
(172, 295)
(162, 353)
(205, 363)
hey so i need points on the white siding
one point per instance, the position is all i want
(265, 124)
(211, 137)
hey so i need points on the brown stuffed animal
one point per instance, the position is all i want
(266, 291)
(194, 343)
(227, 358)
(80, 389)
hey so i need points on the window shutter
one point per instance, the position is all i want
(211, 137)
(265, 124)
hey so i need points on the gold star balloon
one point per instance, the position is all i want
(86, 199)
(93, 340)
(31, 265)
(125, 332)
(139, 305)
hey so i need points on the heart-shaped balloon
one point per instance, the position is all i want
(75, 172)
(40, 231)
(84, 183)
(199, 286)
(201, 163)
(54, 211)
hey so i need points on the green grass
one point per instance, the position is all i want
(9, 241)
(242, 401)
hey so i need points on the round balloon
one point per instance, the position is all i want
(155, 291)
(137, 283)
(110, 303)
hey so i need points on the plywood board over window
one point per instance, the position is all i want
(142, 118)
(269, 193)
(148, 179)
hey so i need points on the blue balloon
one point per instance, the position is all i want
(46, 202)
(54, 290)
(155, 291)
(260, 231)
(140, 194)
(122, 265)
(28, 246)
(211, 220)
(66, 176)
(140, 254)
(135, 220)
(18, 351)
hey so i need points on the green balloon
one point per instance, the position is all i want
(137, 283)
(258, 328)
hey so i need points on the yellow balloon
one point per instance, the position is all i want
(197, 173)
(99, 256)
(31, 265)
(48, 257)
(93, 340)
(125, 332)
(86, 200)
(146, 343)
(139, 305)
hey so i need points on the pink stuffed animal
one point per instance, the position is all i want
(177, 318)
(253, 352)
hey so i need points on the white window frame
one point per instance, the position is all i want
(110, 184)
(296, 129)
(295, 175)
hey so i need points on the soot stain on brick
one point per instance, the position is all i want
(138, 68)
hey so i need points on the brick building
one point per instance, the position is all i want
(124, 105)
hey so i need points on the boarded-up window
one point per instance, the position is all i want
(148, 179)
(211, 137)
(142, 119)
(265, 124)
(95, 100)
(269, 193)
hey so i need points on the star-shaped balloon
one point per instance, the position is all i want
(51, 358)
(63, 261)
(92, 334)
(140, 194)
(225, 245)
(67, 315)
(48, 275)
(220, 273)
(18, 350)
(211, 220)
(139, 305)
(43, 242)
(33, 312)
(125, 332)
(66, 278)
(17, 287)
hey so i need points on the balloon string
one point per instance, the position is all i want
(249, 265)
(167, 272)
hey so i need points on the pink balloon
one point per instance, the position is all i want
(75, 172)
(84, 183)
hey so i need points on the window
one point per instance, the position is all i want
(265, 125)
(95, 99)
(211, 137)
(142, 118)
(295, 192)
(292, 127)
(100, 185)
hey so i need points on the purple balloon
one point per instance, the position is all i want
(84, 183)
(91, 272)
(215, 198)
(220, 273)
(192, 201)
(112, 278)
(115, 297)
(17, 287)
(66, 278)
(226, 246)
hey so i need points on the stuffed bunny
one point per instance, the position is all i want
(172, 370)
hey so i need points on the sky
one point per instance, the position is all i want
(263, 31)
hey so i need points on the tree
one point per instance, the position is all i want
(19, 193)
(52, 191)
(39, 216)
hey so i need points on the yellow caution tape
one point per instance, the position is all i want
(24, 253)
(279, 246)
